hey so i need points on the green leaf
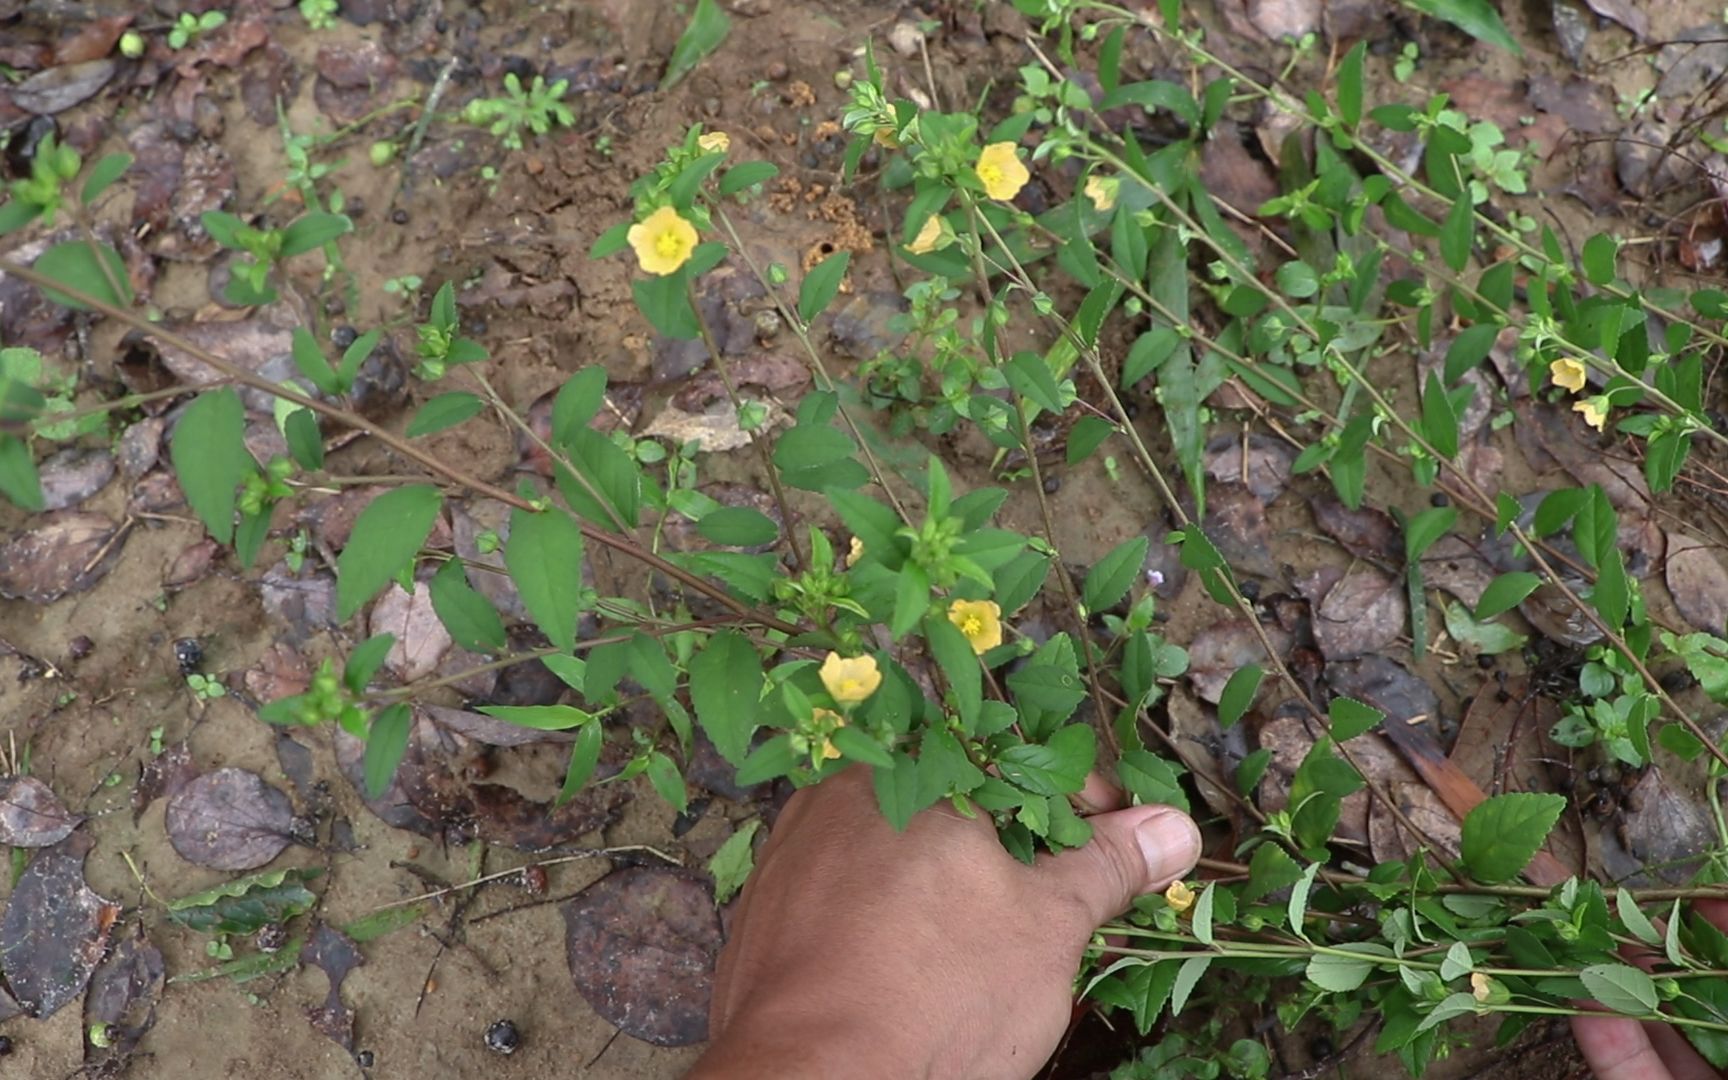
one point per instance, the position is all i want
(19, 480)
(1351, 718)
(747, 175)
(208, 449)
(245, 905)
(665, 302)
(1151, 779)
(1152, 96)
(540, 717)
(731, 865)
(854, 745)
(102, 174)
(578, 400)
(1621, 987)
(820, 285)
(1340, 974)
(1239, 694)
(738, 526)
(726, 689)
(1187, 978)
(1030, 376)
(471, 619)
(1633, 917)
(1296, 909)
(1504, 832)
(584, 756)
(385, 539)
(1058, 767)
(1439, 419)
(911, 599)
(707, 28)
(610, 472)
(1350, 86)
(612, 241)
(668, 781)
(355, 355)
(1047, 687)
(1488, 638)
(1505, 593)
(1087, 434)
(959, 665)
(386, 742)
(1475, 17)
(1019, 580)
(365, 660)
(74, 265)
(1458, 233)
(1600, 251)
(309, 232)
(1469, 349)
(444, 411)
(305, 441)
(544, 558)
(1425, 528)
(1113, 575)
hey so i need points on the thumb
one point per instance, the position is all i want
(1132, 852)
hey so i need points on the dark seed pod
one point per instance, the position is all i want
(502, 1037)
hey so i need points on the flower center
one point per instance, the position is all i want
(990, 174)
(972, 626)
(668, 244)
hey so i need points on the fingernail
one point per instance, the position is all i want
(1170, 844)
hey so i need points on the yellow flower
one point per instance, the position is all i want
(884, 137)
(826, 722)
(854, 553)
(1102, 191)
(850, 680)
(1567, 372)
(1179, 896)
(1481, 988)
(980, 622)
(934, 236)
(1595, 411)
(663, 241)
(715, 142)
(1001, 172)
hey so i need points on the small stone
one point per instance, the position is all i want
(400, 217)
(364, 1059)
(778, 72)
(343, 336)
(81, 647)
(503, 1038)
(767, 325)
(905, 38)
(1052, 484)
(189, 654)
(271, 937)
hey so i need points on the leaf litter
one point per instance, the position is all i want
(230, 819)
(31, 815)
(55, 929)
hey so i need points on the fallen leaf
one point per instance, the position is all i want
(1564, 436)
(1365, 532)
(67, 552)
(55, 929)
(1692, 62)
(1290, 738)
(641, 944)
(124, 990)
(1364, 612)
(335, 954)
(715, 431)
(304, 602)
(1624, 12)
(421, 640)
(1232, 173)
(162, 777)
(31, 815)
(254, 344)
(59, 88)
(1557, 618)
(1390, 841)
(1665, 832)
(490, 730)
(192, 564)
(281, 672)
(93, 41)
(140, 447)
(1387, 685)
(1222, 649)
(1235, 522)
(1698, 583)
(74, 474)
(1262, 465)
(230, 819)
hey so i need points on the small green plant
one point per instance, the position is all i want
(249, 281)
(206, 687)
(1405, 65)
(319, 14)
(537, 109)
(189, 27)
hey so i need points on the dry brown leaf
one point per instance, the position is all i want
(1698, 583)
(421, 640)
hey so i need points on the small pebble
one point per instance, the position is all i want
(778, 72)
(364, 1059)
(81, 647)
(189, 654)
(767, 325)
(343, 336)
(1439, 498)
(400, 217)
(271, 937)
(5, 1045)
(1052, 484)
(905, 38)
(502, 1037)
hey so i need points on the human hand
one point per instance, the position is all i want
(1620, 1048)
(859, 951)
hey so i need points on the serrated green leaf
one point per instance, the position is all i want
(1503, 833)
(470, 618)
(578, 400)
(738, 526)
(1505, 593)
(208, 449)
(731, 865)
(820, 284)
(1058, 767)
(385, 539)
(544, 558)
(1110, 579)
(1621, 987)
(726, 690)
(1150, 779)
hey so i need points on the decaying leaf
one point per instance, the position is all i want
(421, 640)
(123, 994)
(714, 431)
(1223, 648)
(1698, 583)
(1259, 463)
(31, 815)
(67, 552)
(1390, 841)
(163, 776)
(335, 954)
(230, 820)
(1364, 612)
(55, 929)
(641, 944)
